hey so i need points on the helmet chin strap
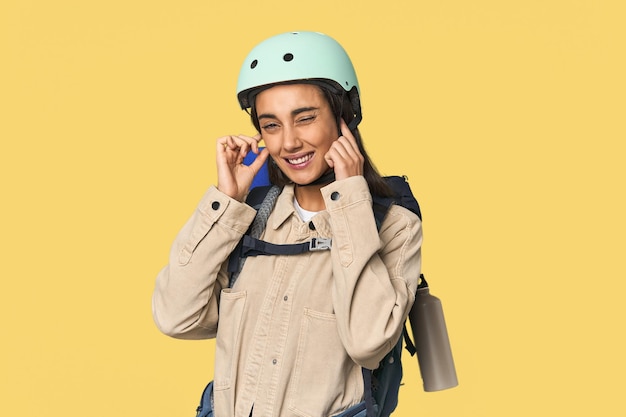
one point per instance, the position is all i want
(326, 178)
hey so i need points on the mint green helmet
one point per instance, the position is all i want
(309, 57)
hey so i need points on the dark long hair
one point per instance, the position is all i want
(341, 107)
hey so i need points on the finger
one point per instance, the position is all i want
(229, 150)
(345, 130)
(222, 144)
(329, 159)
(227, 147)
(234, 141)
(346, 160)
(259, 161)
(235, 146)
(252, 143)
(257, 138)
(230, 143)
(346, 149)
(347, 133)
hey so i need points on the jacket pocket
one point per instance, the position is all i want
(325, 380)
(227, 343)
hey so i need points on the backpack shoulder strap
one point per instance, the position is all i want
(256, 196)
(262, 199)
(403, 196)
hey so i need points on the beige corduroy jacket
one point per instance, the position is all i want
(294, 331)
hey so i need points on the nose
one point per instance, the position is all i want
(291, 140)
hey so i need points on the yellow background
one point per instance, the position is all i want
(507, 117)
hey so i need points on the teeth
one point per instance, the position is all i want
(300, 160)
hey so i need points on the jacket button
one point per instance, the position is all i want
(311, 226)
(335, 196)
(215, 205)
(274, 361)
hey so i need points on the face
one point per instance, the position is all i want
(298, 128)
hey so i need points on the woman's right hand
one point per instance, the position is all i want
(233, 177)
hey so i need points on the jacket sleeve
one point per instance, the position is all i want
(186, 295)
(375, 272)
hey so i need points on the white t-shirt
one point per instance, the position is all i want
(305, 215)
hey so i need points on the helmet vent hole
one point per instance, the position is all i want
(253, 64)
(288, 57)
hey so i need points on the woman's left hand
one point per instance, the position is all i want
(344, 156)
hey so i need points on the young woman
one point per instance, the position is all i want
(294, 331)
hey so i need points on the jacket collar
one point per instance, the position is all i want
(284, 207)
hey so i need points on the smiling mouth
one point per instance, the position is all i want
(300, 160)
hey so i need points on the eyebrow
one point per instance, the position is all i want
(293, 113)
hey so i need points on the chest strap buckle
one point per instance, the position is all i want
(320, 243)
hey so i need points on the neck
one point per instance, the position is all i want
(310, 197)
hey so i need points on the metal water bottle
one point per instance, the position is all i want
(431, 341)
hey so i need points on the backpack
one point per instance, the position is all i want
(381, 384)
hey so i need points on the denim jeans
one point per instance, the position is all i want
(205, 409)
